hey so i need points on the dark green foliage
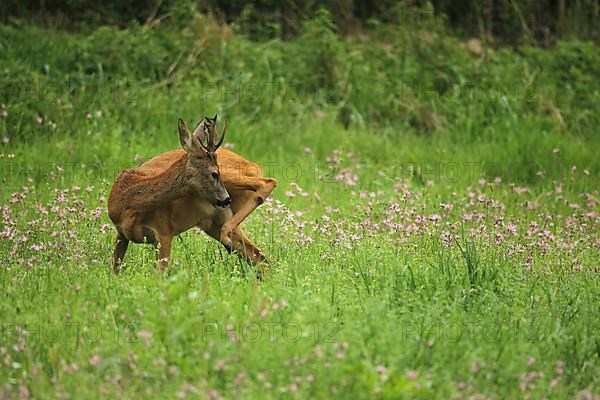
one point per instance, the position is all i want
(422, 81)
(517, 21)
(397, 82)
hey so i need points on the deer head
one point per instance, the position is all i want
(202, 167)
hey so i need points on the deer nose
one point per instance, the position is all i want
(224, 203)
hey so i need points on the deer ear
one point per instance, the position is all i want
(185, 137)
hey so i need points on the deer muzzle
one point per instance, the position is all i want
(224, 203)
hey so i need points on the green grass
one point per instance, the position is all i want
(413, 281)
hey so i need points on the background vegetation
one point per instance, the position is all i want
(434, 231)
(515, 21)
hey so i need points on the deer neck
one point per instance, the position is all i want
(175, 181)
(161, 189)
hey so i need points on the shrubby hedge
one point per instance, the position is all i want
(518, 21)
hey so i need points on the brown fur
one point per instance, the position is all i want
(164, 197)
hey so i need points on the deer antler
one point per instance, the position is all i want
(206, 134)
(222, 135)
(211, 132)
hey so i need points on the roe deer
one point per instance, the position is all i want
(161, 199)
(243, 181)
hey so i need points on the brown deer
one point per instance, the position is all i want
(183, 188)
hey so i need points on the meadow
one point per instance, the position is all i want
(434, 232)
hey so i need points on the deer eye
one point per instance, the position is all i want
(215, 175)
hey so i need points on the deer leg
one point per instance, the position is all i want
(262, 188)
(244, 248)
(218, 221)
(247, 249)
(161, 243)
(249, 252)
(121, 245)
(164, 250)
